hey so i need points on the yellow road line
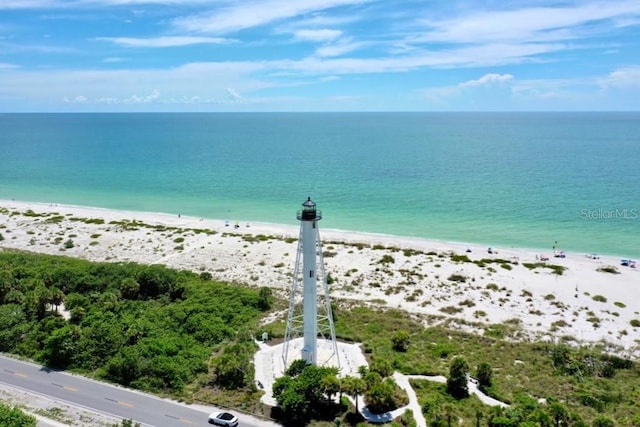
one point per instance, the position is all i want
(125, 404)
(70, 388)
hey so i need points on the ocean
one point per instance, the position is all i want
(525, 180)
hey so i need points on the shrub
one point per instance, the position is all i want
(484, 375)
(460, 258)
(457, 381)
(451, 309)
(400, 341)
(381, 366)
(264, 298)
(69, 244)
(407, 419)
(467, 302)
(14, 417)
(383, 396)
(458, 278)
(608, 269)
(386, 259)
(599, 298)
(492, 286)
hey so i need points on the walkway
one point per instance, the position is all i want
(269, 366)
(403, 382)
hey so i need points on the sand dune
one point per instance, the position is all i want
(440, 280)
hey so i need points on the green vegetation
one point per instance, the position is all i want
(457, 379)
(147, 327)
(587, 381)
(401, 341)
(460, 258)
(555, 269)
(181, 334)
(599, 298)
(484, 376)
(14, 417)
(458, 278)
(386, 259)
(608, 269)
(305, 392)
(127, 423)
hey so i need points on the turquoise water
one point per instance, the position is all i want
(500, 179)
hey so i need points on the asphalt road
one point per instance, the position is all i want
(106, 398)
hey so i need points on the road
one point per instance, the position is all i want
(106, 398)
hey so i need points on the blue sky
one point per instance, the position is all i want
(319, 55)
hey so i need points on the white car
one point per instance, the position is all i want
(225, 419)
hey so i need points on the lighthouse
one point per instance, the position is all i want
(309, 317)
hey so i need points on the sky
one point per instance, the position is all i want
(319, 55)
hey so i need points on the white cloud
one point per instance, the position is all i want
(338, 49)
(6, 66)
(532, 24)
(623, 78)
(163, 41)
(74, 4)
(25, 4)
(76, 100)
(490, 79)
(249, 14)
(487, 79)
(317, 35)
(133, 99)
(233, 95)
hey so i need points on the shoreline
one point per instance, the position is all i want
(347, 233)
(438, 280)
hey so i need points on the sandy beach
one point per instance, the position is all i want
(594, 300)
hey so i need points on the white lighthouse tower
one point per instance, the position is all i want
(310, 314)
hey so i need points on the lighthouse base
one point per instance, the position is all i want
(269, 364)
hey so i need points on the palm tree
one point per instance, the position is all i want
(354, 387)
(330, 385)
(479, 415)
(448, 411)
(56, 297)
(559, 414)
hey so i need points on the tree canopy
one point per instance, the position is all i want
(145, 326)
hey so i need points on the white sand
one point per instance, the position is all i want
(547, 306)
